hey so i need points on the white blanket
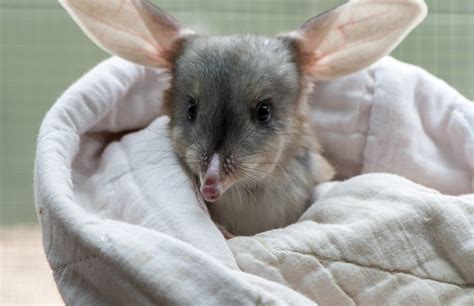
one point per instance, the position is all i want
(121, 223)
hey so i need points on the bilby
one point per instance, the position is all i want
(239, 119)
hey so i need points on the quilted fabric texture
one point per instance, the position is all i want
(122, 225)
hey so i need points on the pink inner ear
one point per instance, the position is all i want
(153, 54)
(128, 28)
(354, 36)
(308, 61)
(163, 27)
(309, 38)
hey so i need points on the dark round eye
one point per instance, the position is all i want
(192, 109)
(263, 111)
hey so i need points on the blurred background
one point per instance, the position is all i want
(42, 52)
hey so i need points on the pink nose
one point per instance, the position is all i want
(210, 189)
(211, 186)
(210, 193)
(210, 181)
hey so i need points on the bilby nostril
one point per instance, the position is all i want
(209, 192)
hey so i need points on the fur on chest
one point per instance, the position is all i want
(275, 202)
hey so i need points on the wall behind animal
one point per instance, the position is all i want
(42, 51)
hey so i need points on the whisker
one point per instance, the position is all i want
(174, 139)
(262, 172)
(253, 153)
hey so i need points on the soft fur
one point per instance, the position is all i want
(274, 164)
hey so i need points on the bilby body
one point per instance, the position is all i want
(239, 120)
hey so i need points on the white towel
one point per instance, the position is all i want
(121, 223)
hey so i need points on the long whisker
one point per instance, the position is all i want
(262, 173)
(174, 139)
(174, 154)
(250, 192)
(253, 153)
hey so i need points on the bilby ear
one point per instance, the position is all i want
(135, 30)
(354, 35)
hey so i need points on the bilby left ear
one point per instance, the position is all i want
(354, 35)
(135, 30)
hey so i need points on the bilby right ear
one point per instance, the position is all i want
(135, 30)
(354, 35)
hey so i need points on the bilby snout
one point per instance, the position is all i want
(214, 182)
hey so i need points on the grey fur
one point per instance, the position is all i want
(228, 77)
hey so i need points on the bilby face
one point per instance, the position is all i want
(234, 100)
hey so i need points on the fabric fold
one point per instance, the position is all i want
(123, 224)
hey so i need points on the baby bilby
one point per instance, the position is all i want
(239, 116)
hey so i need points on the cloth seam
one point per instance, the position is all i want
(67, 264)
(337, 283)
(369, 122)
(456, 109)
(321, 258)
(288, 284)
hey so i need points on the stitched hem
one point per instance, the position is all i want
(63, 266)
(374, 267)
(369, 133)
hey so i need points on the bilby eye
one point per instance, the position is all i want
(262, 111)
(192, 109)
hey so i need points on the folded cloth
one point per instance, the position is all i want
(122, 224)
